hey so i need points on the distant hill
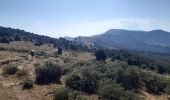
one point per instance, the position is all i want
(11, 33)
(152, 41)
(68, 38)
(8, 35)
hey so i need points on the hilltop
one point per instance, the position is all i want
(157, 41)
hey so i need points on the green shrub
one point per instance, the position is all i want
(37, 65)
(28, 84)
(66, 94)
(167, 89)
(73, 81)
(38, 43)
(48, 73)
(110, 90)
(67, 70)
(4, 40)
(10, 69)
(61, 94)
(100, 55)
(59, 51)
(129, 78)
(17, 38)
(67, 60)
(88, 81)
(154, 83)
(21, 73)
(80, 97)
(84, 81)
(130, 95)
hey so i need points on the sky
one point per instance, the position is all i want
(59, 18)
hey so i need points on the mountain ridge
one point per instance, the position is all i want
(152, 41)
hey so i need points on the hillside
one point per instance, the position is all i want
(77, 74)
(72, 62)
(11, 85)
(148, 41)
(8, 35)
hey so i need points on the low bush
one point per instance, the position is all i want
(100, 55)
(129, 78)
(17, 38)
(28, 84)
(48, 73)
(110, 90)
(167, 89)
(155, 83)
(61, 94)
(22, 73)
(10, 69)
(130, 95)
(66, 94)
(38, 43)
(59, 51)
(73, 81)
(85, 81)
(4, 40)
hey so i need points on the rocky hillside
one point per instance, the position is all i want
(152, 41)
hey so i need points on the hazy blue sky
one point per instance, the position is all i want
(84, 17)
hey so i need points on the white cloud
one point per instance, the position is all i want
(92, 28)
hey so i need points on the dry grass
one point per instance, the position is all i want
(26, 46)
(11, 87)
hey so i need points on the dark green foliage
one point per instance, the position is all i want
(48, 73)
(115, 57)
(73, 81)
(66, 94)
(161, 69)
(22, 73)
(61, 94)
(100, 55)
(17, 38)
(4, 40)
(38, 43)
(73, 47)
(84, 81)
(167, 89)
(109, 90)
(142, 60)
(118, 81)
(133, 61)
(10, 69)
(59, 51)
(28, 84)
(130, 95)
(129, 78)
(88, 82)
(154, 83)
